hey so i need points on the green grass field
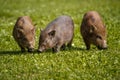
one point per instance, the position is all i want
(75, 63)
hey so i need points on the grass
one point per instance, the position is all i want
(75, 63)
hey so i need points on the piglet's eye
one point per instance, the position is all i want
(99, 37)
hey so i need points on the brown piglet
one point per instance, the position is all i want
(93, 30)
(24, 33)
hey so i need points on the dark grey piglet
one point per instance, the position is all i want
(57, 34)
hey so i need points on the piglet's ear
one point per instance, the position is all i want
(33, 30)
(92, 28)
(19, 32)
(52, 33)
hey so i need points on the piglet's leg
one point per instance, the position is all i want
(22, 49)
(57, 48)
(87, 43)
(70, 43)
(63, 47)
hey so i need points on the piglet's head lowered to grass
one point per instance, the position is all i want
(57, 34)
(24, 33)
(93, 30)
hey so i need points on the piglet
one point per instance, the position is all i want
(24, 33)
(57, 34)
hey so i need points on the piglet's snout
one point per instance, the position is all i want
(104, 44)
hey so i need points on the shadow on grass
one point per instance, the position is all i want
(15, 52)
(74, 49)
(77, 48)
(35, 52)
(66, 49)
